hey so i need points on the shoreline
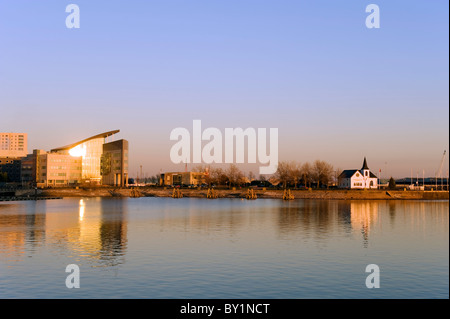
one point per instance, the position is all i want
(241, 193)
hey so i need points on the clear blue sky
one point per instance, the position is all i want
(336, 90)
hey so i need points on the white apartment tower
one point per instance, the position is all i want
(13, 144)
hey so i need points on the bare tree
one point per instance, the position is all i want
(199, 169)
(217, 176)
(234, 175)
(284, 173)
(306, 171)
(337, 172)
(251, 176)
(296, 173)
(322, 173)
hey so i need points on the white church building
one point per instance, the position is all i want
(358, 178)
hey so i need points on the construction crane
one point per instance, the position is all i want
(438, 173)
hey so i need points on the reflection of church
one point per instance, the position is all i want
(364, 215)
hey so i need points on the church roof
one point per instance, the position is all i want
(348, 173)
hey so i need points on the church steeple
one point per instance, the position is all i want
(365, 164)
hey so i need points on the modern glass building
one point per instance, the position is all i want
(91, 151)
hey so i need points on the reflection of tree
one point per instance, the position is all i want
(344, 215)
(392, 212)
(289, 217)
(307, 216)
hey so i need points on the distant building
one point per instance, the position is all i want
(358, 178)
(182, 178)
(30, 168)
(12, 168)
(13, 144)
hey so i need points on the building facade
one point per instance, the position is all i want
(91, 150)
(30, 168)
(182, 178)
(358, 179)
(13, 144)
(10, 168)
(57, 170)
(114, 163)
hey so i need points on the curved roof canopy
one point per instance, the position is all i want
(68, 147)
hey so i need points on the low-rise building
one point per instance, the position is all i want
(56, 170)
(182, 178)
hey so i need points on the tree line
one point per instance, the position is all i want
(288, 174)
(294, 174)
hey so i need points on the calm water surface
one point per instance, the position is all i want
(223, 248)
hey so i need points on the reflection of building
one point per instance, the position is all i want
(21, 232)
(358, 178)
(183, 178)
(13, 144)
(80, 162)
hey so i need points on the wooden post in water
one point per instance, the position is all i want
(211, 193)
(251, 194)
(177, 193)
(287, 195)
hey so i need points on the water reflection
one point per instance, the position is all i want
(162, 248)
(96, 230)
(323, 218)
(21, 234)
(392, 212)
(307, 217)
(364, 216)
(113, 232)
(97, 233)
